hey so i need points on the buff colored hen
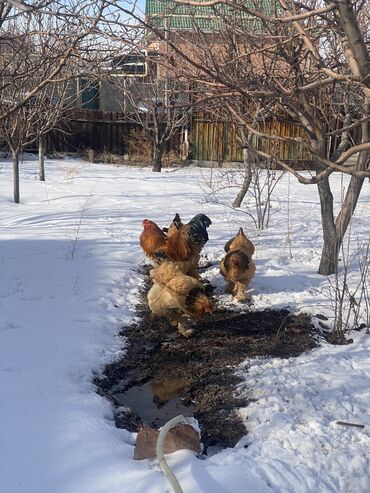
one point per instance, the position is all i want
(237, 267)
(177, 296)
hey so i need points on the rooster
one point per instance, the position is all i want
(237, 266)
(185, 242)
(182, 244)
(177, 297)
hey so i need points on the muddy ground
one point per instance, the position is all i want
(163, 374)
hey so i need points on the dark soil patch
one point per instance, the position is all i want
(164, 374)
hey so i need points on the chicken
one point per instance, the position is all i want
(177, 297)
(237, 266)
(246, 243)
(152, 239)
(182, 244)
(185, 242)
(164, 273)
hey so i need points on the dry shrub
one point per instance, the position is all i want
(111, 158)
(105, 157)
(139, 146)
(90, 155)
(170, 156)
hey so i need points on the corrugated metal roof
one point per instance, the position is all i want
(167, 14)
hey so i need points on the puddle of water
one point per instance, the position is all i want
(156, 402)
(167, 387)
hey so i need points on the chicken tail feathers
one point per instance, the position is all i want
(198, 228)
(201, 219)
(177, 221)
(236, 259)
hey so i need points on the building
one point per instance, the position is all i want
(188, 28)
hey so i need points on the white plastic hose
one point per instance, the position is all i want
(160, 454)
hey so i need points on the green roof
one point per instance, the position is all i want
(163, 14)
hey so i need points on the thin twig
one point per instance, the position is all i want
(346, 423)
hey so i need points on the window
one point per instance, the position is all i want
(130, 65)
(90, 94)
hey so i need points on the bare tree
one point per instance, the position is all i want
(50, 107)
(59, 32)
(43, 46)
(310, 66)
(17, 68)
(159, 104)
(16, 131)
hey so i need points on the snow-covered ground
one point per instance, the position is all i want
(68, 283)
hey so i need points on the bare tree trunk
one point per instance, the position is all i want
(15, 155)
(329, 254)
(352, 31)
(355, 184)
(334, 232)
(349, 204)
(247, 161)
(157, 159)
(42, 158)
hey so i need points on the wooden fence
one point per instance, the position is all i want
(219, 141)
(215, 141)
(285, 151)
(97, 130)
(210, 141)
